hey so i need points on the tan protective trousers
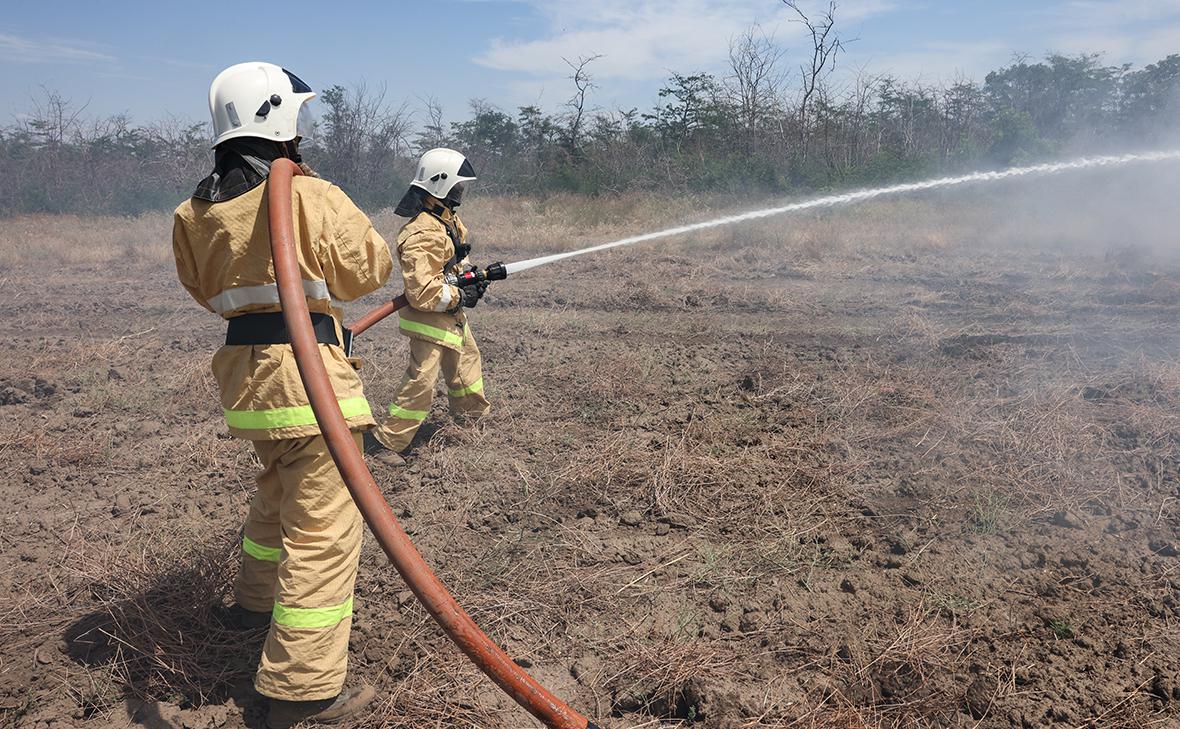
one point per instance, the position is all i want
(463, 373)
(301, 545)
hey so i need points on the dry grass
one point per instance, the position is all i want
(70, 239)
(824, 471)
(525, 227)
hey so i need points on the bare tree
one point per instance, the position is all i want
(754, 80)
(576, 115)
(363, 136)
(863, 93)
(826, 45)
(433, 133)
(183, 145)
(53, 120)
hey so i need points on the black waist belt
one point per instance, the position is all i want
(270, 328)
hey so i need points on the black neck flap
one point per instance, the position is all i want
(240, 165)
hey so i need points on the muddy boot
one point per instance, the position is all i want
(236, 617)
(351, 702)
(377, 451)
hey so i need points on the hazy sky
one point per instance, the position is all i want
(152, 59)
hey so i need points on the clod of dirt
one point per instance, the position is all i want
(1120, 523)
(838, 548)
(628, 702)
(751, 621)
(122, 505)
(679, 520)
(846, 585)
(13, 396)
(979, 697)
(1164, 548)
(585, 668)
(719, 602)
(1067, 520)
(1165, 687)
(631, 518)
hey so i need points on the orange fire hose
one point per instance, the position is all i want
(377, 315)
(458, 625)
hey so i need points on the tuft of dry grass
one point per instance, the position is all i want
(155, 627)
(89, 240)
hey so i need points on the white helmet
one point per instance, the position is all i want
(260, 100)
(440, 169)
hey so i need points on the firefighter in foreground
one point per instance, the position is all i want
(432, 248)
(302, 538)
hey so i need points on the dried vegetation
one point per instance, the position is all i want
(912, 464)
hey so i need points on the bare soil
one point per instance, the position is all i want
(888, 467)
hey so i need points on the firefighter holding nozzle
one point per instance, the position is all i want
(433, 252)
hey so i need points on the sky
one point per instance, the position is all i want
(154, 60)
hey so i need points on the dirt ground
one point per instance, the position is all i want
(915, 464)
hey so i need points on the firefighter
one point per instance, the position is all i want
(302, 537)
(432, 248)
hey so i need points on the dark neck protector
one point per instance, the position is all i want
(242, 164)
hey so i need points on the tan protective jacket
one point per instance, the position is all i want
(425, 250)
(223, 259)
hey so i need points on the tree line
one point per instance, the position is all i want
(768, 124)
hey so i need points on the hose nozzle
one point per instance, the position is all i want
(495, 272)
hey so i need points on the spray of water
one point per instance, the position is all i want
(860, 196)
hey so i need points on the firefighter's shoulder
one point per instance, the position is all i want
(307, 185)
(422, 223)
(184, 211)
(317, 193)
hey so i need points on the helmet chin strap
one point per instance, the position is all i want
(290, 150)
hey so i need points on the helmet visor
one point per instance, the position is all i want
(305, 123)
(466, 170)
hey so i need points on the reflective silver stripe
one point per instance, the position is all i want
(445, 300)
(236, 298)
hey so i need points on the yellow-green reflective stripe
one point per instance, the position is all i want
(429, 331)
(257, 551)
(469, 390)
(312, 617)
(290, 417)
(400, 412)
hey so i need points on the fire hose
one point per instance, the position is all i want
(445, 610)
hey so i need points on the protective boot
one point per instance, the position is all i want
(351, 702)
(378, 451)
(236, 617)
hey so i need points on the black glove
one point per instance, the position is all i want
(469, 296)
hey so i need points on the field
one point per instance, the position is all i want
(908, 464)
